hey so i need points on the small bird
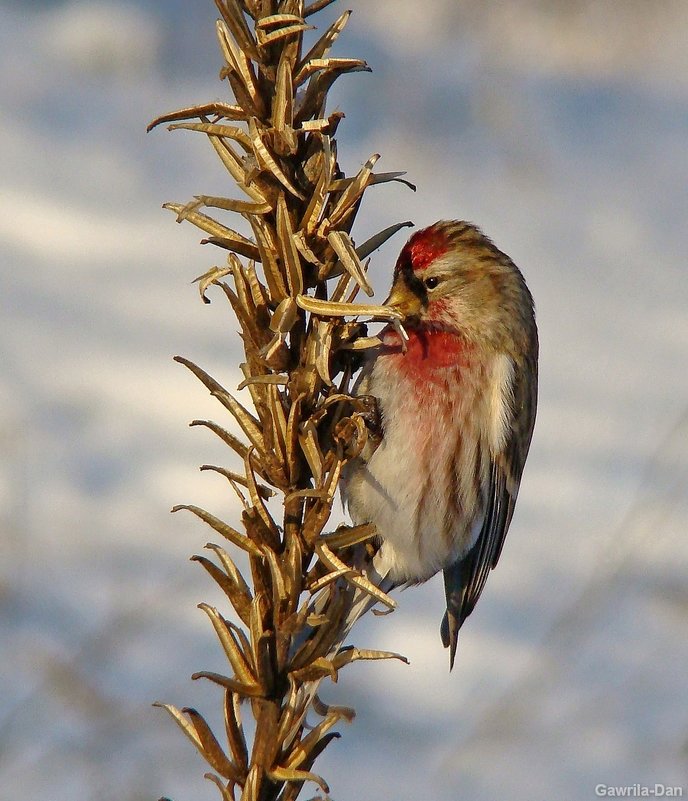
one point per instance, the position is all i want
(456, 405)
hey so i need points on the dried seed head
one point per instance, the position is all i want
(293, 300)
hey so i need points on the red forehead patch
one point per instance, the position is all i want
(423, 248)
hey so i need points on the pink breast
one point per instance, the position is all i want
(428, 351)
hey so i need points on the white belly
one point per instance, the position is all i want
(419, 486)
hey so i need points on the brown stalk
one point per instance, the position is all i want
(291, 285)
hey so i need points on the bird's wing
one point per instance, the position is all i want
(464, 579)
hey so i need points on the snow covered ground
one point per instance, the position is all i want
(562, 129)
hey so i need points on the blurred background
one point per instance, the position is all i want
(561, 128)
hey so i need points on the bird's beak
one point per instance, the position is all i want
(404, 300)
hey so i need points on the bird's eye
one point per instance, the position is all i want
(432, 282)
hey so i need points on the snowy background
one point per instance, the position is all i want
(562, 129)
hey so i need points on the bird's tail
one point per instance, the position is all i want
(449, 631)
(456, 578)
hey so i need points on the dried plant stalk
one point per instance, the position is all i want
(290, 287)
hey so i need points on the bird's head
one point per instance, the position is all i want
(451, 277)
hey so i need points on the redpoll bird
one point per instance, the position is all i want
(457, 409)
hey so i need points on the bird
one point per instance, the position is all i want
(455, 392)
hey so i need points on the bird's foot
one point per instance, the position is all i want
(368, 409)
